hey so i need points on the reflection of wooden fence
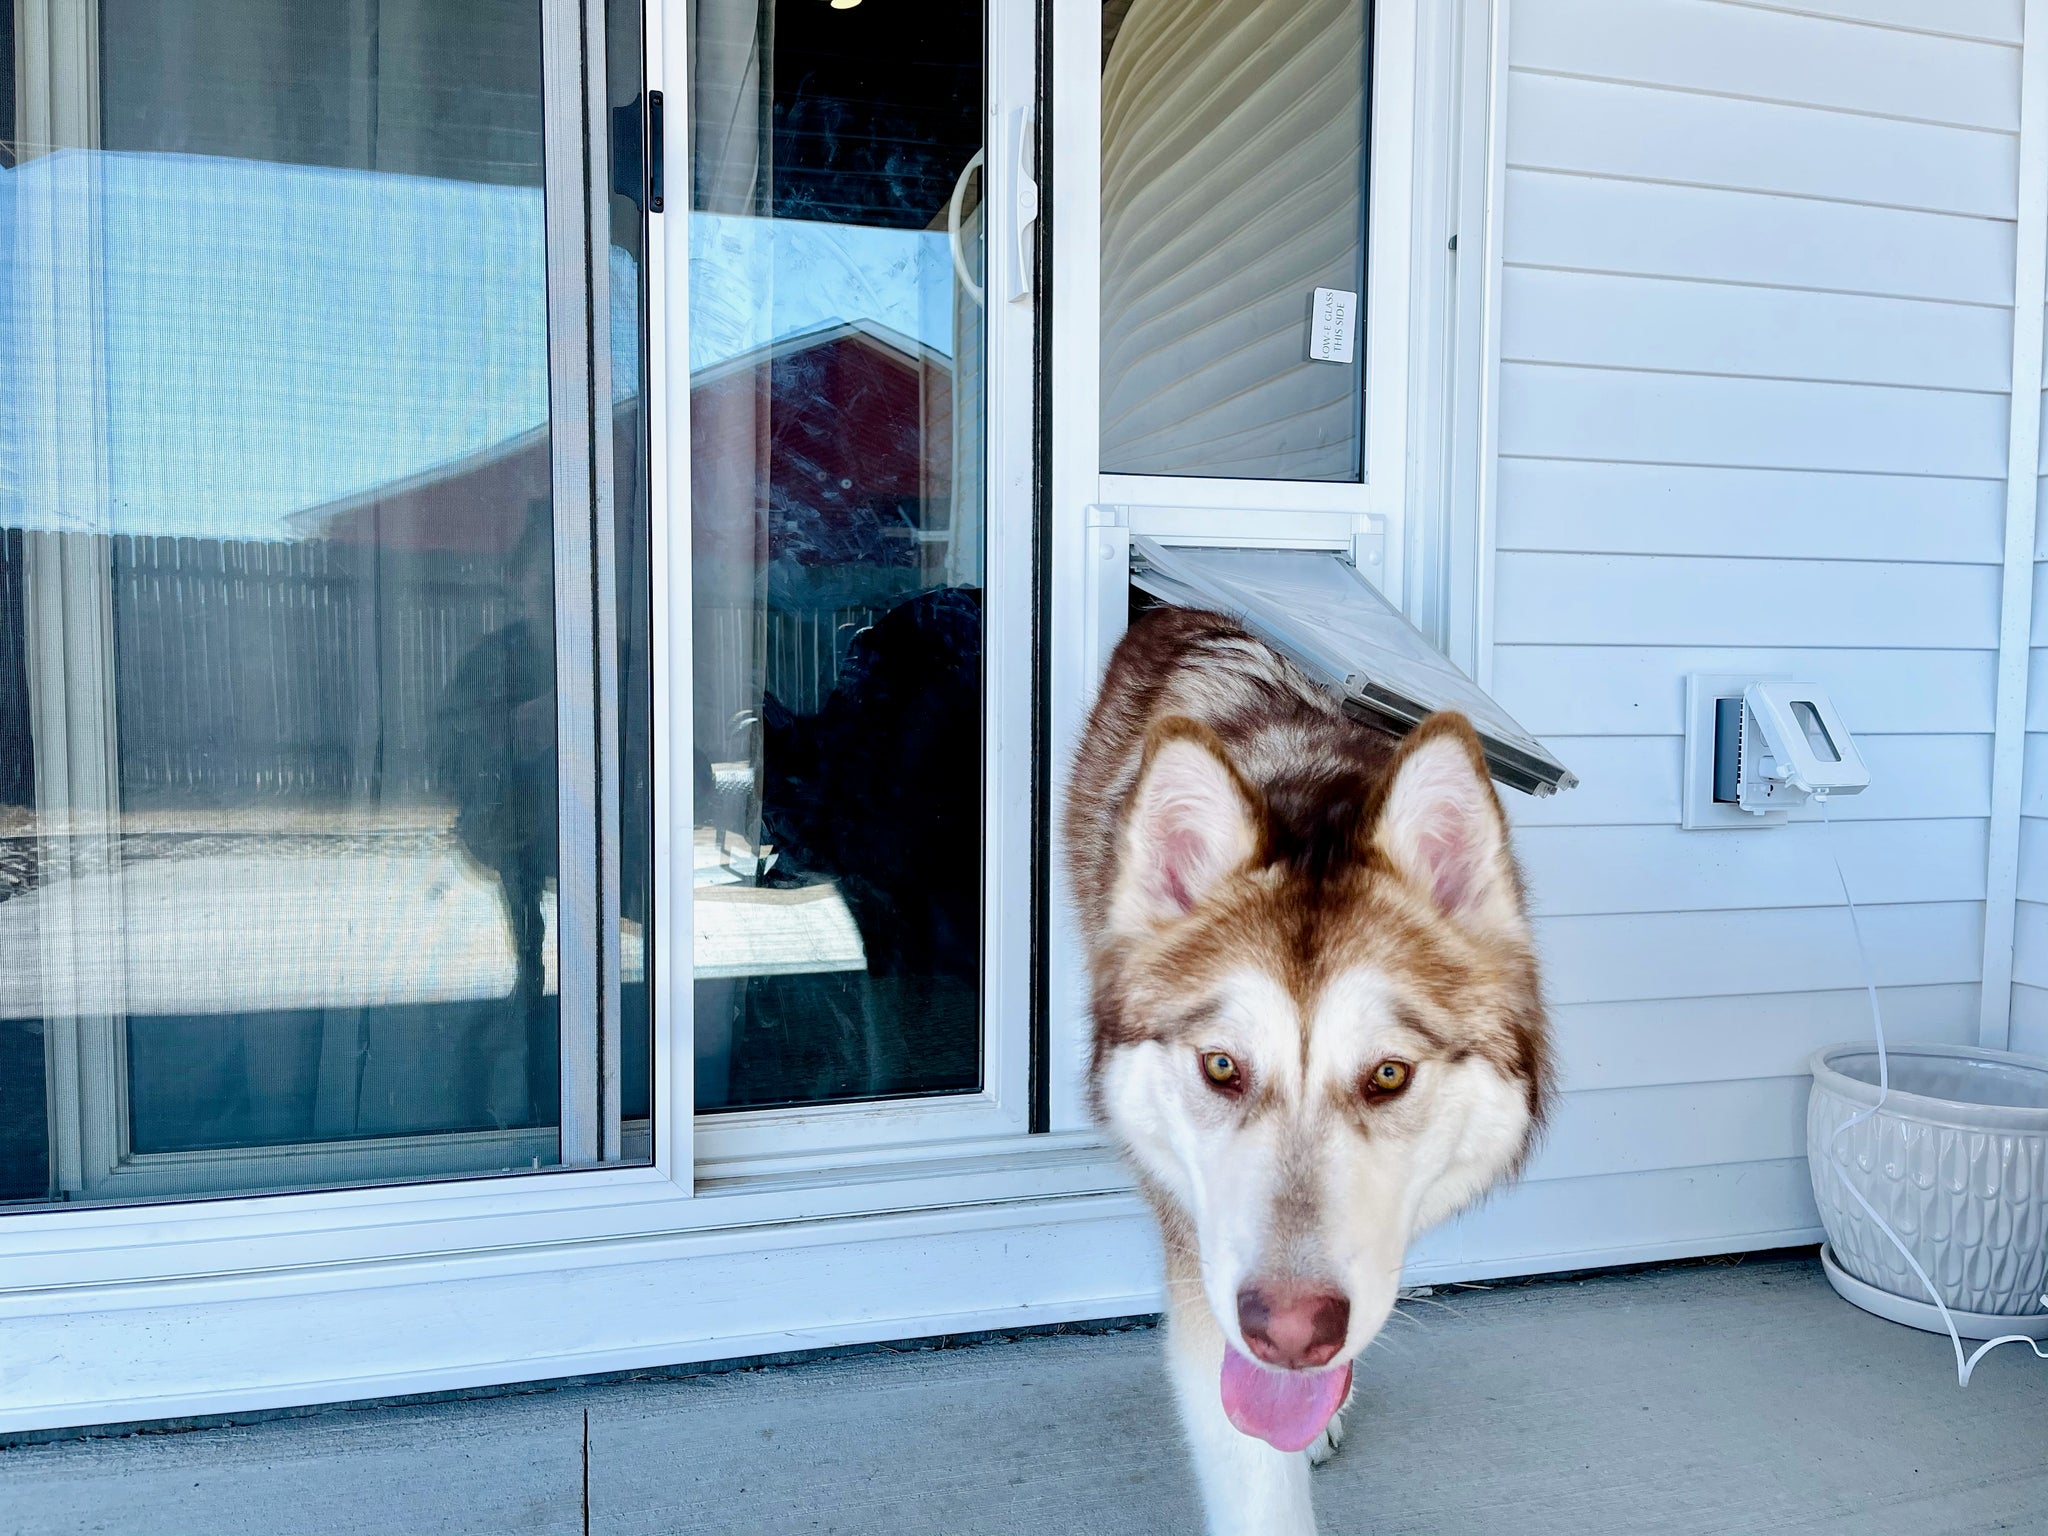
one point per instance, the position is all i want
(802, 652)
(242, 670)
(318, 669)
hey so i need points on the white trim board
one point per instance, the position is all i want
(112, 1355)
(2016, 606)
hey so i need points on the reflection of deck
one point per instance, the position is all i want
(743, 930)
(242, 923)
(255, 918)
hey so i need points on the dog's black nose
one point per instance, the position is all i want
(1293, 1326)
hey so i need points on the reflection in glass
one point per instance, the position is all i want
(836, 339)
(278, 776)
(1233, 187)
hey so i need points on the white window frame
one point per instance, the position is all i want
(927, 1216)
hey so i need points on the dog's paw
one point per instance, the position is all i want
(1324, 1446)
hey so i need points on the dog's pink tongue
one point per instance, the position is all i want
(1286, 1409)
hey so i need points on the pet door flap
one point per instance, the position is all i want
(1317, 610)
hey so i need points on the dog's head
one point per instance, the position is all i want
(1316, 1047)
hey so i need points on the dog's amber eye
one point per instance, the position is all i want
(1220, 1067)
(1389, 1076)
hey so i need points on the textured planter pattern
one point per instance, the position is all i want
(1970, 1200)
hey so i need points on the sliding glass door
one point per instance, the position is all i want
(324, 596)
(327, 658)
(859, 332)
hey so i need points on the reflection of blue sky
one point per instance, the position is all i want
(256, 340)
(754, 281)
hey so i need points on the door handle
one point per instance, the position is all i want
(1024, 184)
(953, 228)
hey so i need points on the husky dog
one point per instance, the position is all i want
(1317, 1022)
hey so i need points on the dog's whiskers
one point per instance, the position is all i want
(1427, 1301)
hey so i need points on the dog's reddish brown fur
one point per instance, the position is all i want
(1317, 897)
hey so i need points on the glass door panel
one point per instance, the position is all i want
(838, 398)
(281, 781)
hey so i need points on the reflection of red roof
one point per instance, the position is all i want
(478, 507)
(853, 416)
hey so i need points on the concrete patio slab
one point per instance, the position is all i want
(1705, 1398)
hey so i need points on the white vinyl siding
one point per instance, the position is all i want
(1755, 353)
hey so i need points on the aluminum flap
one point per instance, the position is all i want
(1317, 610)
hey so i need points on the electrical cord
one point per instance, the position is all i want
(1965, 1364)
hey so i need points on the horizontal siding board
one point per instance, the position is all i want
(1646, 955)
(1636, 781)
(1772, 55)
(1554, 1224)
(1584, 871)
(1712, 1039)
(1679, 509)
(2032, 884)
(1623, 781)
(2030, 942)
(1608, 321)
(2034, 779)
(2030, 1018)
(1996, 21)
(1680, 600)
(2037, 690)
(1590, 223)
(2033, 866)
(1615, 690)
(1555, 412)
(1643, 132)
(1680, 1125)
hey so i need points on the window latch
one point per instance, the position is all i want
(637, 152)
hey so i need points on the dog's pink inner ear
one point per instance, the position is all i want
(1446, 854)
(1441, 827)
(1181, 858)
(1190, 826)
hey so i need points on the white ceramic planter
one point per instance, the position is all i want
(1956, 1162)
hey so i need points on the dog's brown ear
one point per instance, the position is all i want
(1440, 827)
(1193, 820)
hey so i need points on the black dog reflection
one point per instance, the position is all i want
(496, 758)
(881, 789)
(881, 792)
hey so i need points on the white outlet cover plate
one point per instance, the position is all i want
(1699, 810)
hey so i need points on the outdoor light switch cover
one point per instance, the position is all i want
(1330, 325)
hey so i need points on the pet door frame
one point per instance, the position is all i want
(1416, 521)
